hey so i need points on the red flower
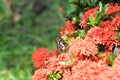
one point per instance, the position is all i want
(83, 47)
(91, 12)
(41, 74)
(68, 29)
(61, 9)
(87, 69)
(116, 22)
(87, 14)
(53, 53)
(40, 56)
(104, 34)
(113, 8)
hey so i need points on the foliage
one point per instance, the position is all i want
(22, 31)
(111, 57)
(4, 9)
(78, 7)
(55, 76)
(100, 16)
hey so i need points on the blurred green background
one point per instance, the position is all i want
(26, 25)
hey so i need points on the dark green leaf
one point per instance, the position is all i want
(105, 8)
(101, 48)
(98, 17)
(105, 16)
(100, 22)
(88, 2)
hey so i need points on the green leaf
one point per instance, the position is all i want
(54, 76)
(118, 35)
(105, 16)
(67, 39)
(105, 8)
(89, 23)
(111, 59)
(116, 51)
(112, 56)
(92, 21)
(100, 22)
(58, 76)
(67, 63)
(98, 17)
(100, 6)
(88, 2)
(73, 55)
(82, 34)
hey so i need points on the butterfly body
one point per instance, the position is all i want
(62, 46)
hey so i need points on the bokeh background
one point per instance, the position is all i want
(26, 25)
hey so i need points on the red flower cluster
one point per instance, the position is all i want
(40, 56)
(41, 74)
(107, 32)
(92, 12)
(104, 36)
(83, 47)
(68, 29)
(80, 70)
(113, 8)
(84, 60)
(87, 14)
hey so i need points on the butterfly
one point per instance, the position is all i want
(62, 46)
